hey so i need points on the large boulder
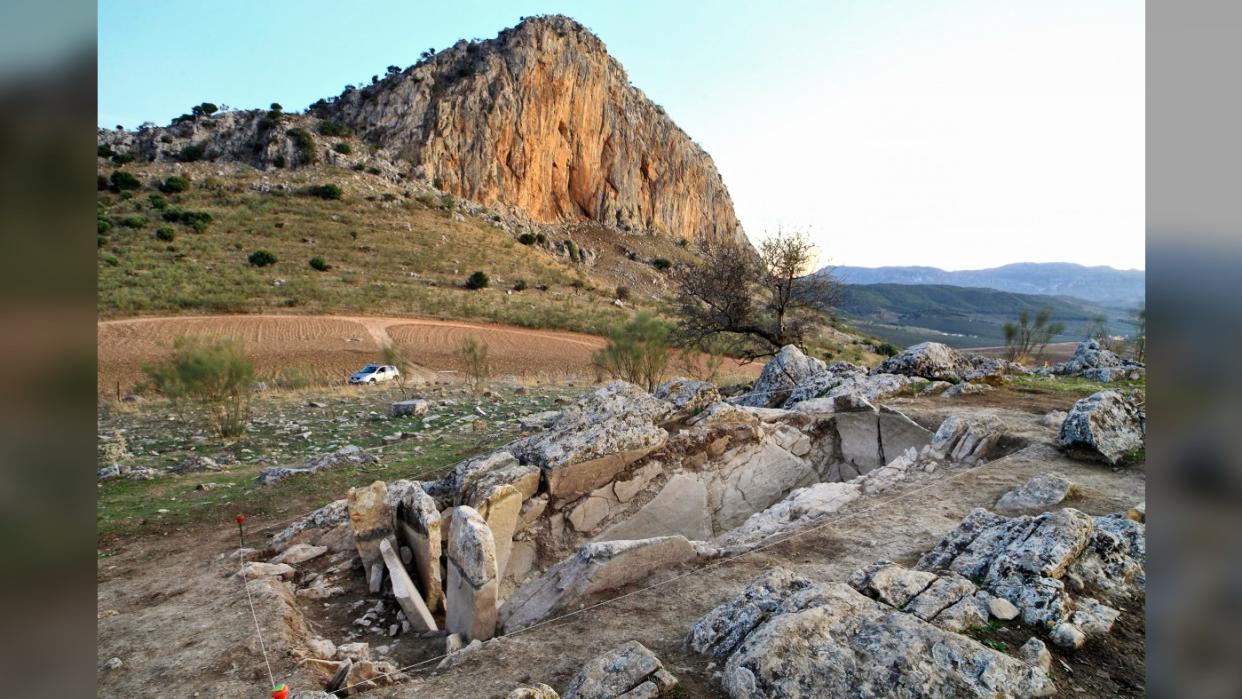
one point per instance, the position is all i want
(968, 440)
(371, 520)
(780, 376)
(687, 396)
(928, 360)
(786, 636)
(1104, 426)
(629, 670)
(1089, 356)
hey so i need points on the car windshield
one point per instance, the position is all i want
(368, 368)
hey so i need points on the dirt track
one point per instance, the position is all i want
(328, 347)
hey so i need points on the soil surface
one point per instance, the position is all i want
(170, 611)
(329, 348)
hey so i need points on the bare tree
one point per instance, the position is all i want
(759, 300)
(1025, 339)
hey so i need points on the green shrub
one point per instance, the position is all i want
(478, 280)
(174, 184)
(572, 248)
(204, 109)
(331, 128)
(166, 139)
(122, 158)
(343, 148)
(357, 167)
(305, 144)
(623, 293)
(887, 349)
(197, 220)
(519, 285)
(541, 239)
(165, 234)
(134, 221)
(122, 181)
(474, 358)
(101, 240)
(215, 375)
(324, 191)
(526, 239)
(111, 260)
(158, 202)
(191, 153)
(661, 264)
(319, 264)
(261, 258)
(637, 351)
(104, 225)
(104, 150)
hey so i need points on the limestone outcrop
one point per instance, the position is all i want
(788, 368)
(1093, 362)
(542, 119)
(629, 670)
(1050, 567)
(788, 636)
(929, 360)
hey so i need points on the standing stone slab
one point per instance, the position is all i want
(500, 508)
(371, 521)
(860, 440)
(418, 525)
(403, 589)
(472, 576)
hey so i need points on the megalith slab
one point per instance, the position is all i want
(472, 577)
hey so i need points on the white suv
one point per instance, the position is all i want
(374, 373)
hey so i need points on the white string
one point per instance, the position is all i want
(831, 521)
(262, 646)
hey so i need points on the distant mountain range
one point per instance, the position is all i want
(1106, 286)
(966, 316)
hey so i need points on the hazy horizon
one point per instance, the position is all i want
(895, 133)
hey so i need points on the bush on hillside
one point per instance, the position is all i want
(526, 239)
(331, 128)
(319, 264)
(661, 264)
(342, 148)
(122, 181)
(261, 258)
(191, 153)
(165, 234)
(174, 184)
(134, 221)
(637, 351)
(305, 144)
(324, 191)
(478, 280)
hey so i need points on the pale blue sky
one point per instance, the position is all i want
(953, 134)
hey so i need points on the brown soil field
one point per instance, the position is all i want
(329, 348)
(1054, 353)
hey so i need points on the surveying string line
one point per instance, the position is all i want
(830, 522)
(254, 615)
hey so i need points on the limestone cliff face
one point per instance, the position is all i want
(543, 119)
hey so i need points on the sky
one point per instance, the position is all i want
(954, 134)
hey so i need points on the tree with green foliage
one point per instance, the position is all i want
(637, 351)
(478, 280)
(213, 374)
(324, 191)
(1026, 339)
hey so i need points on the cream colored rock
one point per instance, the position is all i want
(472, 576)
(371, 521)
(299, 553)
(407, 594)
(500, 508)
(419, 527)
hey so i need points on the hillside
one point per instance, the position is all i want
(539, 122)
(388, 250)
(1100, 285)
(962, 316)
(528, 157)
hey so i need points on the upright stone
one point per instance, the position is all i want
(472, 576)
(500, 508)
(403, 589)
(418, 526)
(371, 521)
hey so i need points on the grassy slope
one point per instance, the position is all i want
(407, 256)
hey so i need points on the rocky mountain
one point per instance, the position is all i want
(1102, 285)
(540, 121)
